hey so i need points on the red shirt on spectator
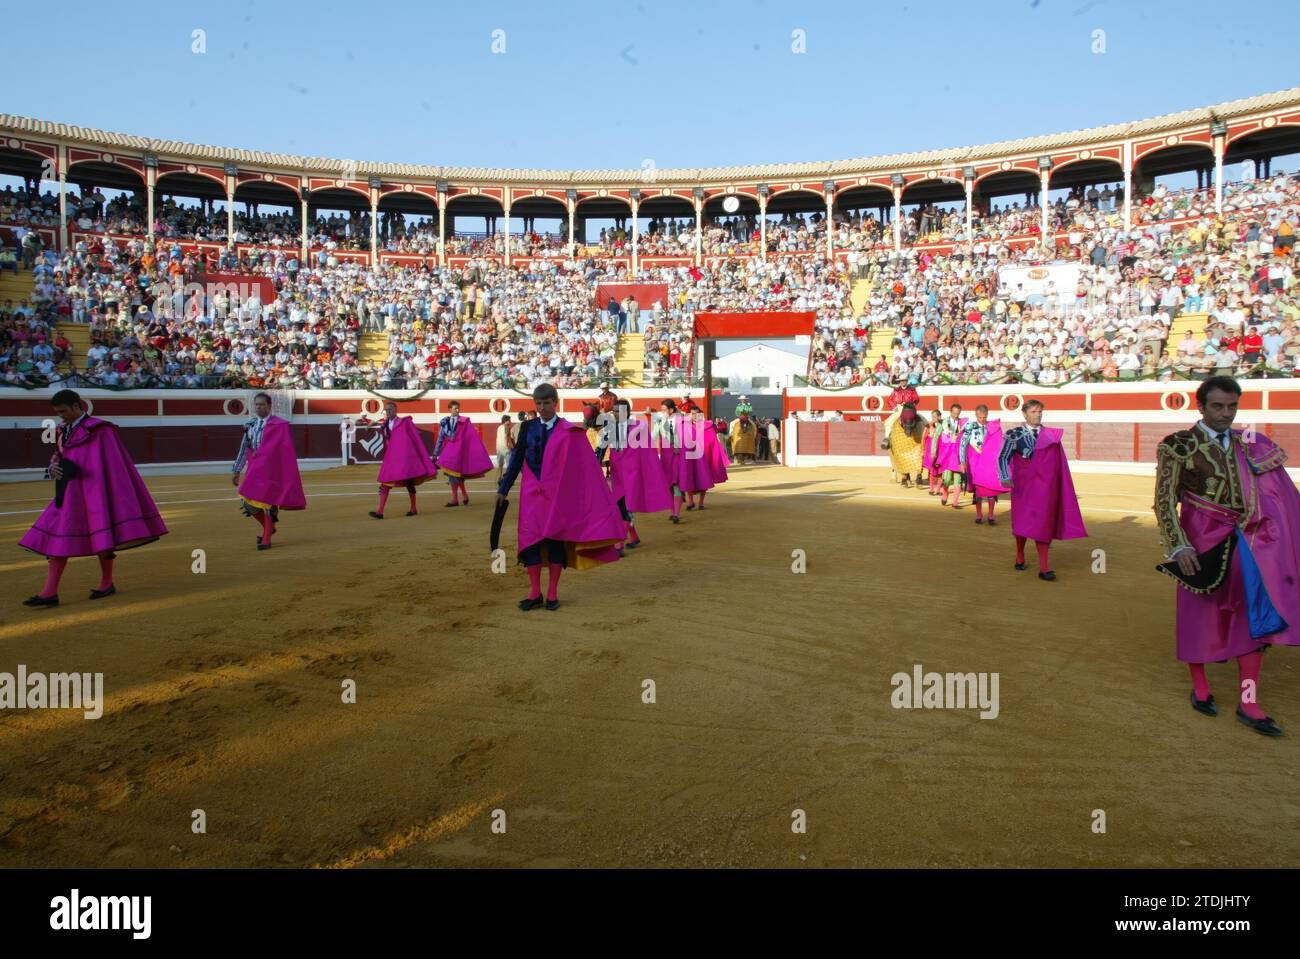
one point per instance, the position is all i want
(1231, 343)
(1252, 343)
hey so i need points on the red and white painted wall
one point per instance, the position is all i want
(1109, 428)
(177, 431)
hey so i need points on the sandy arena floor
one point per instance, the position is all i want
(773, 693)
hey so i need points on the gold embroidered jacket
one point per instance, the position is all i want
(1190, 460)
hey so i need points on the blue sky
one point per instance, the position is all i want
(613, 84)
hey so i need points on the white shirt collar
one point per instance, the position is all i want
(1217, 437)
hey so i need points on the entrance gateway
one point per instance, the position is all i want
(711, 327)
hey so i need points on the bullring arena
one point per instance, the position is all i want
(768, 626)
(773, 690)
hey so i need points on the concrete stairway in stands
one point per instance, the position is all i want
(372, 347)
(1188, 321)
(78, 335)
(16, 286)
(882, 342)
(859, 293)
(629, 358)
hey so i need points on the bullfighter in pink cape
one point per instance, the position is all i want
(701, 464)
(1044, 506)
(635, 476)
(930, 440)
(460, 453)
(981, 442)
(406, 462)
(567, 514)
(273, 482)
(947, 456)
(667, 435)
(1234, 546)
(100, 502)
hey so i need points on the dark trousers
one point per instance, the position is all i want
(532, 556)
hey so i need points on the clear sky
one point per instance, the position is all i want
(616, 83)
(626, 83)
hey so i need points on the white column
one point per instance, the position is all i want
(151, 179)
(1043, 183)
(572, 251)
(230, 210)
(1218, 173)
(830, 226)
(442, 229)
(699, 230)
(970, 198)
(762, 226)
(898, 217)
(1128, 184)
(63, 199)
(303, 232)
(374, 227)
(507, 210)
(636, 235)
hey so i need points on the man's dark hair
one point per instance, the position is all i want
(506, 418)
(671, 404)
(1225, 383)
(523, 415)
(955, 406)
(67, 398)
(455, 403)
(258, 396)
(1031, 405)
(981, 408)
(545, 391)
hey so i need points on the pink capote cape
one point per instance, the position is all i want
(106, 506)
(983, 464)
(272, 472)
(405, 458)
(1217, 625)
(635, 474)
(464, 455)
(1044, 506)
(571, 502)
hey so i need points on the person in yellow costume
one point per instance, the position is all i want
(904, 432)
(744, 438)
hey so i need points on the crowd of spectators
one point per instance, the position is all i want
(483, 324)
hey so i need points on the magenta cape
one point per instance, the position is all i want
(983, 464)
(464, 454)
(701, 460)
(1044, 506)
(571, 502)
(717, 453)
(636, 476)
(106, 506)
(405, 458)
(1217, 626)
(949, 455)
(927, 455)
(272, 473)
(670, 457)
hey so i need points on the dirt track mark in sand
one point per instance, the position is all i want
(473, 756)
(598, 657)
(524, 693)
(277, 695)
(343, 665)
(199, 664)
